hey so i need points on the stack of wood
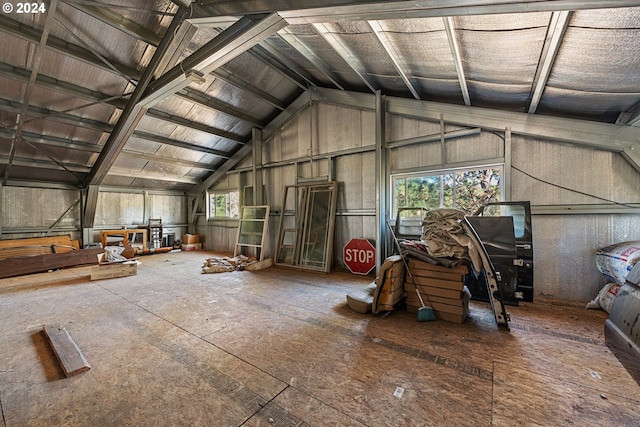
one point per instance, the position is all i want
(38, 254)
(441, 287)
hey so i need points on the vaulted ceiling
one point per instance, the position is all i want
(161, 94)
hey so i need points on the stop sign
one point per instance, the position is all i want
(359, 256)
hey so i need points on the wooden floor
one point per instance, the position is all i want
(174, 347)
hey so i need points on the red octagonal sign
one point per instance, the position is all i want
(359, 256)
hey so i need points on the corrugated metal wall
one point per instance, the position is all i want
(564, 244)
(30, 212)
(117, 209)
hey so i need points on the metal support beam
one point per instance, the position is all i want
(435, 137)
(239, 155)
(175, 143)
(283, 65)
(309, 54)
(329, 35)
(154, 176)
(33, 35)
(215, 104)
(381, 183)
(457, 58)
(602, 136)
(555, 33)
(240, 37)
(161, 115)
(506, 174)
(380, 34)
(28, 90)
(122, 23)
(318, 11)
(90, 205)
(258, 197)
(631, 117)
(38, 113)
(53, 84)
(133, 112)
(264, 96)
(283, 118)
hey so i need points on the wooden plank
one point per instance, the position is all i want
(439, 292)
(66, 350)
(110, 271)
(437, 283)
(415, 264)
(12, 267)
(64, 240)
(453, 276)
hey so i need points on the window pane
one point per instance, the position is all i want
(466, 190)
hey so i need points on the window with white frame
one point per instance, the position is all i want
(224, 204)
(465, 189)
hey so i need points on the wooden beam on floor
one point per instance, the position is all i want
(67, 351)
(19, 266)
(111, 271)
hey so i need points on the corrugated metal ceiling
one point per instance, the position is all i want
(67, 75)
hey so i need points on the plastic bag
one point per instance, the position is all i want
(605, 297)
(616, 261)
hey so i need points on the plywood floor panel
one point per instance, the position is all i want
(172, 346)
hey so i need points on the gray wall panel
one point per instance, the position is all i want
(564, 244)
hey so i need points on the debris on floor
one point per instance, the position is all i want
(66, 350)
(239, 263)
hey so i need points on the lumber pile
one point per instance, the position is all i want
(18, 266)
(37, 246)
(441, 287)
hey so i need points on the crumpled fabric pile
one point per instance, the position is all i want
(445, 237)
(237, 263)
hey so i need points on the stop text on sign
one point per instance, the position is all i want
(362, 256)
(359, 255)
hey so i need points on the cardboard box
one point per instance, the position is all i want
(192, 247)
(188, 239)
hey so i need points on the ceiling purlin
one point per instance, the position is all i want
(558, 24)
(56, 85)
(28, 90)
(179, 144)
(343, 50)
(181, 121)
(215, 104)
(310, 55)
(232, 79)
(132, 113)
(457, 58)
(387, 45)
(317, 11)
(24, 32)
(107, 15)
(39, 113)
(269, 55)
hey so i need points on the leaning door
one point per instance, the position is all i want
(521, 214)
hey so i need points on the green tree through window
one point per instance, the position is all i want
(224, 205)
(466, 190)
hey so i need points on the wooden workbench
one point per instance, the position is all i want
(125, 233)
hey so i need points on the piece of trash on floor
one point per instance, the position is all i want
(237, 263)
(399, 391)
(595, 375)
